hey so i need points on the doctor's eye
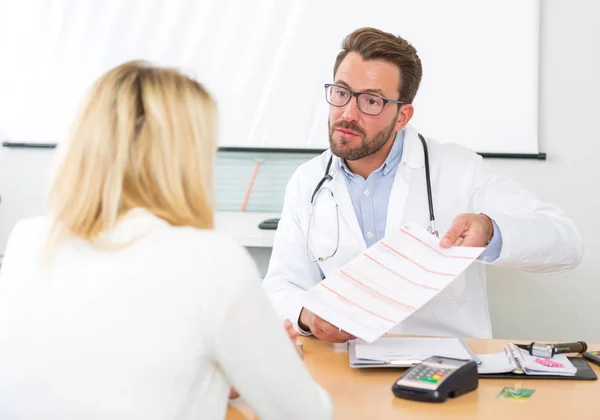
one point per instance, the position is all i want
(373, 101)
(341, 93)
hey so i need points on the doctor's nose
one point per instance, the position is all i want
(351, 111)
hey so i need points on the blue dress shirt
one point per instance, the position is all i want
(370, 199)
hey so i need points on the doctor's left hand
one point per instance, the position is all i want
(469, 229)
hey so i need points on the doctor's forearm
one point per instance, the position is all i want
(539, 242)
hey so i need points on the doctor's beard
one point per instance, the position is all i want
(367, 146)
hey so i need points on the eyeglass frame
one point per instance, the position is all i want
(357, 94)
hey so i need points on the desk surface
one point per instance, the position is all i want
(366, 393)
(243, 227)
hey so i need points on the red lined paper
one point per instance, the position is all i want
(387, 283)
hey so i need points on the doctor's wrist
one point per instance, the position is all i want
(489, 228)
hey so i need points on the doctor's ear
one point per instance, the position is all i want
(404, 116)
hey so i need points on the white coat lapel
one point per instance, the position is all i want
(397, 203)
(412, 158)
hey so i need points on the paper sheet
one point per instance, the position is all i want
(495, 363)
(400, 349)
(534, 368)
(388, 282)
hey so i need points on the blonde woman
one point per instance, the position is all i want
(125, 303)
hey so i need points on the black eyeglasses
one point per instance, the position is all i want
(367, 103)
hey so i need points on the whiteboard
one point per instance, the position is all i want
(265, 62)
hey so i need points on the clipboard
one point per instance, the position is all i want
(406, 362)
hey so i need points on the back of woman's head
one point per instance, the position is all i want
(145, 137)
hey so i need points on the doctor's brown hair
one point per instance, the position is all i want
(375, 45)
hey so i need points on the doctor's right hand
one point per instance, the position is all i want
(323, 329)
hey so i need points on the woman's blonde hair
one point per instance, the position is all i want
(145, 138)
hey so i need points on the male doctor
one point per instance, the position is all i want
(377, 177)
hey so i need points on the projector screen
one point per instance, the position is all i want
(265, 62)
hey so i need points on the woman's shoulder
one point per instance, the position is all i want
(159, 233)
(30, 227)
(214, 247)
(217, 260)
(217, 240)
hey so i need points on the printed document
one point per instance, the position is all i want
(388, 282)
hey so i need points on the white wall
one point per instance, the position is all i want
(523, 306)
(23, 177)
(69, 44)
(562, 306)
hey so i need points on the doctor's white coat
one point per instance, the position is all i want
(536, 236)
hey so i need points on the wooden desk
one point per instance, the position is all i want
(366, 393)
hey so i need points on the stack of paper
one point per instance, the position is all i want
(407, 351)
(388, 282)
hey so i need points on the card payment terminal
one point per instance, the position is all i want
(437, 378)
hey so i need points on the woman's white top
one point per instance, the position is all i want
(158, 329)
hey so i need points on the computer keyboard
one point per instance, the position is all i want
(269, 223)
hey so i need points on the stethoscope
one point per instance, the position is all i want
(319, 189)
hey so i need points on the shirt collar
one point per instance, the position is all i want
(390, 162)
(395, 154)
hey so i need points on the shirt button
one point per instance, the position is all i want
(366, 192)
(369, 234)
